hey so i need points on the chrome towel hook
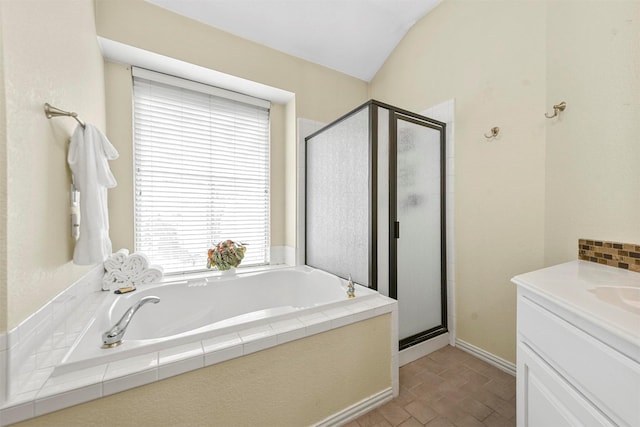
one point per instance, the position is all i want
(556, 108)
(494, 133)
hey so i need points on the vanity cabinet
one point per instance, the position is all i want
(578, 356)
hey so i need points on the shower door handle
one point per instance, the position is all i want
(396, 230)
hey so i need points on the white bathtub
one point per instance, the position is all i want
(195, 310)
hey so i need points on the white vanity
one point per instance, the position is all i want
(578, 346)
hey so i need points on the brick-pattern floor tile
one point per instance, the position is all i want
(411, 422)
(479, 410)
(373, 419)
(421, 411)
(393, 413)
(446, 388)
(440, 422)
(497, 420)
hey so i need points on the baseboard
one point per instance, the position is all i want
(417, 351)
(492, 359)
(351, 413)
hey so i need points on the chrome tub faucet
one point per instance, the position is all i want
(113, 337)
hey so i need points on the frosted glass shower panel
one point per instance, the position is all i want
(419, 214)
(337, 194)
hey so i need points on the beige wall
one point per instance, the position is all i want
(49, 54)
(523, 200)
(490, 57)
(4, 312)
(291, 178)
(296, 384)
(119, 106)
(278, 166)
(593, 149)
(320, 94)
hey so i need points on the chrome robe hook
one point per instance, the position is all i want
(556, 108)
(493, 133)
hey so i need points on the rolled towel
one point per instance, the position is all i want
(124, 270)
(135, 264)
(115, 279)
(151, 275)
(115, 261)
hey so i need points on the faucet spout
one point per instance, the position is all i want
(113, 337)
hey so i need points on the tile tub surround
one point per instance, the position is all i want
(613, 254)
(36, 392)
(29, 351)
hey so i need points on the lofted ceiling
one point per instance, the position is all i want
(354, 37)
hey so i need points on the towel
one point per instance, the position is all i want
(88, 157)
(123, 270)
(115, 261)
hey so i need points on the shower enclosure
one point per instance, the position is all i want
(375, 210)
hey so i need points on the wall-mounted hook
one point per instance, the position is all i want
(494, 133)
(556, 108)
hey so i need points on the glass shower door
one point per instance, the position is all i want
(417, 229)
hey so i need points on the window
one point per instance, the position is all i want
(201, 159)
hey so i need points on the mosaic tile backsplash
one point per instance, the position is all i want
(621, 255)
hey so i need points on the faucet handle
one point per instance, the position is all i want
(351, 289)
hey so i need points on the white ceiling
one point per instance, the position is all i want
(351, 36)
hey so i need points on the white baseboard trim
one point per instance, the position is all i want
(351, 413)
(492, 359)
(417, 351)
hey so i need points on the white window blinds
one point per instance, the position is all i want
(201, 171)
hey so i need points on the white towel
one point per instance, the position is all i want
(124, 270)
(88, 155)
(115, 261)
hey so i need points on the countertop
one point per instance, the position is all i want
(604, 301)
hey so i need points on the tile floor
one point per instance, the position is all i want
(448, 387)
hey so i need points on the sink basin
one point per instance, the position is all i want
(625, 297)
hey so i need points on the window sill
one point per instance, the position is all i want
(176, 277)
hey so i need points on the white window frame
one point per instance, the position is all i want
(242, 187)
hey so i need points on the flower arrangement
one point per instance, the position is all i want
(226, 254)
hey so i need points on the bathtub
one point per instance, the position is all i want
(210, 308)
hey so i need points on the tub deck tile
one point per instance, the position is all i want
(289, 330)
(181, 359)
(339, 316)
(132, 365)
(361, 311)
(69, 398)
(315, 323)
(256, 334)
(222, 342)
(19, 411)
(223, 354)
(180, 367)
(30, 381)
(57, 385)
(258, 338)
(179, 353)
(116, 385)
